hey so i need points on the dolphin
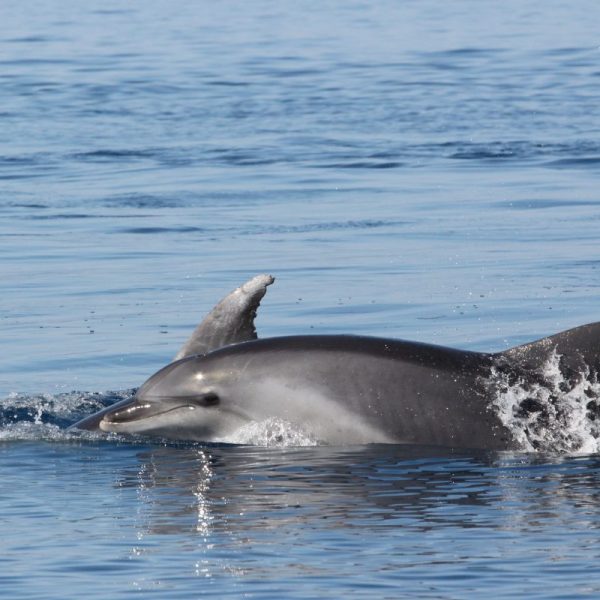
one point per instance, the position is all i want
(340, 389)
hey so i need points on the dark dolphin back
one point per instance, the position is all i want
(578, 349)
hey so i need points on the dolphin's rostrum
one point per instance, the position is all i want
(342, 389)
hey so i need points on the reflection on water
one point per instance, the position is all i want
(303, 522)
(242, 493)
(344, 516)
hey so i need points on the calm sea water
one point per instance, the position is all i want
(421, 170)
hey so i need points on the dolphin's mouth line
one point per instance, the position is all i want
(133, 413)
(145, 411)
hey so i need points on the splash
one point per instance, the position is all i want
(46, 416)
(551, 410)
(272, 432)
(25, 431)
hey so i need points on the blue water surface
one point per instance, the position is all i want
(420, 170)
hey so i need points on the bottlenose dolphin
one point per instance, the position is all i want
(340, 389)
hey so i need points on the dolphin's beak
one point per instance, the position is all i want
(130, 412)
(93, 421)
(139, 410)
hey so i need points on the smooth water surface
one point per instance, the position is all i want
(420, 170)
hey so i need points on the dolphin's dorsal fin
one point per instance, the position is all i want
(229, 322)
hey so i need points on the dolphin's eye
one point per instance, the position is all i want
(209, 399)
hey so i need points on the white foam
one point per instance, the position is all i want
(272, 432)
(551, 414)
(35, 431)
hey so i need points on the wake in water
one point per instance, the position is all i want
(556, 410)
(47, 416)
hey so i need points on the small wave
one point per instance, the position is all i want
(25, 431)
(326, 226)
(22, 160)
(60, 410)
(33, 39)
(60, 217)
(363, 164)
(484, 154)
(552, 411)
(228, 83)
(581, 154)
(541, 204)
(153, 230)
(494, 150)
(583, 162)
(46, 417)
(26, 205)
(141, 201)
(111, 154)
